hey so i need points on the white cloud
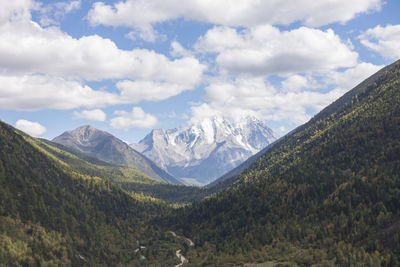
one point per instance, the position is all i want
(28, 48)
(264, 50)
(255, 96)
(295, 83)
(384, 40)
(136, 91)
(143, 14)
(177, 50)
(46, 68)
(32, 128)
(137, 118)
(15, 10)
(71, 6)
(34, 92)
(351, 77)
(147, 34)
(94, 115)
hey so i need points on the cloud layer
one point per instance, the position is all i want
(35, 92)
(43, 67)
(290, 102)
(143, 14)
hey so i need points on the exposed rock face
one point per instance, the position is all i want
(201, 152)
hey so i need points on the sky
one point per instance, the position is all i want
(130, 66)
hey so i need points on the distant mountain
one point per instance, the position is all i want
(104, 146)
(128, 178)
(201, 152)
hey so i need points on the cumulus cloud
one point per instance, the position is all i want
(142, 14)
(29, 48)
(137, 118)
(295, 83)
(351, 77)
(254, 96)
(29, 127)
(136, 91)
(34, 92)
(94, 115)
(46, 68)
(265, 50)
(16, 10)
(291, 101)
(384, 40)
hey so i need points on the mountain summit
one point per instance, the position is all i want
(93, 142)
(200, 152)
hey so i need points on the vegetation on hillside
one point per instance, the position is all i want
(327, 193)
(50, 213)
(129, 179)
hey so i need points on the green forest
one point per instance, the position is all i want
(326, 194)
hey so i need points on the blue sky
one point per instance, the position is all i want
(129, 66)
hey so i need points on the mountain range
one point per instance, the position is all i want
(104, 146)
(199, 152)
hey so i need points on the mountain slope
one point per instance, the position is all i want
(329, 192)
(51, 214)
(102, 145)
(205, 150)
(129, 179)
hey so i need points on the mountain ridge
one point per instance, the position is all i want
(204, 150)
(325, 112)
(317, 192)
(93, 142)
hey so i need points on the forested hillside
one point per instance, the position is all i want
(327, 193)
(129, 179)
(52, 214)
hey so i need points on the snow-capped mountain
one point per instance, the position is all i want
(200, 152)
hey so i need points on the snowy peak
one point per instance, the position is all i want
(204, 150)
(247, 132)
